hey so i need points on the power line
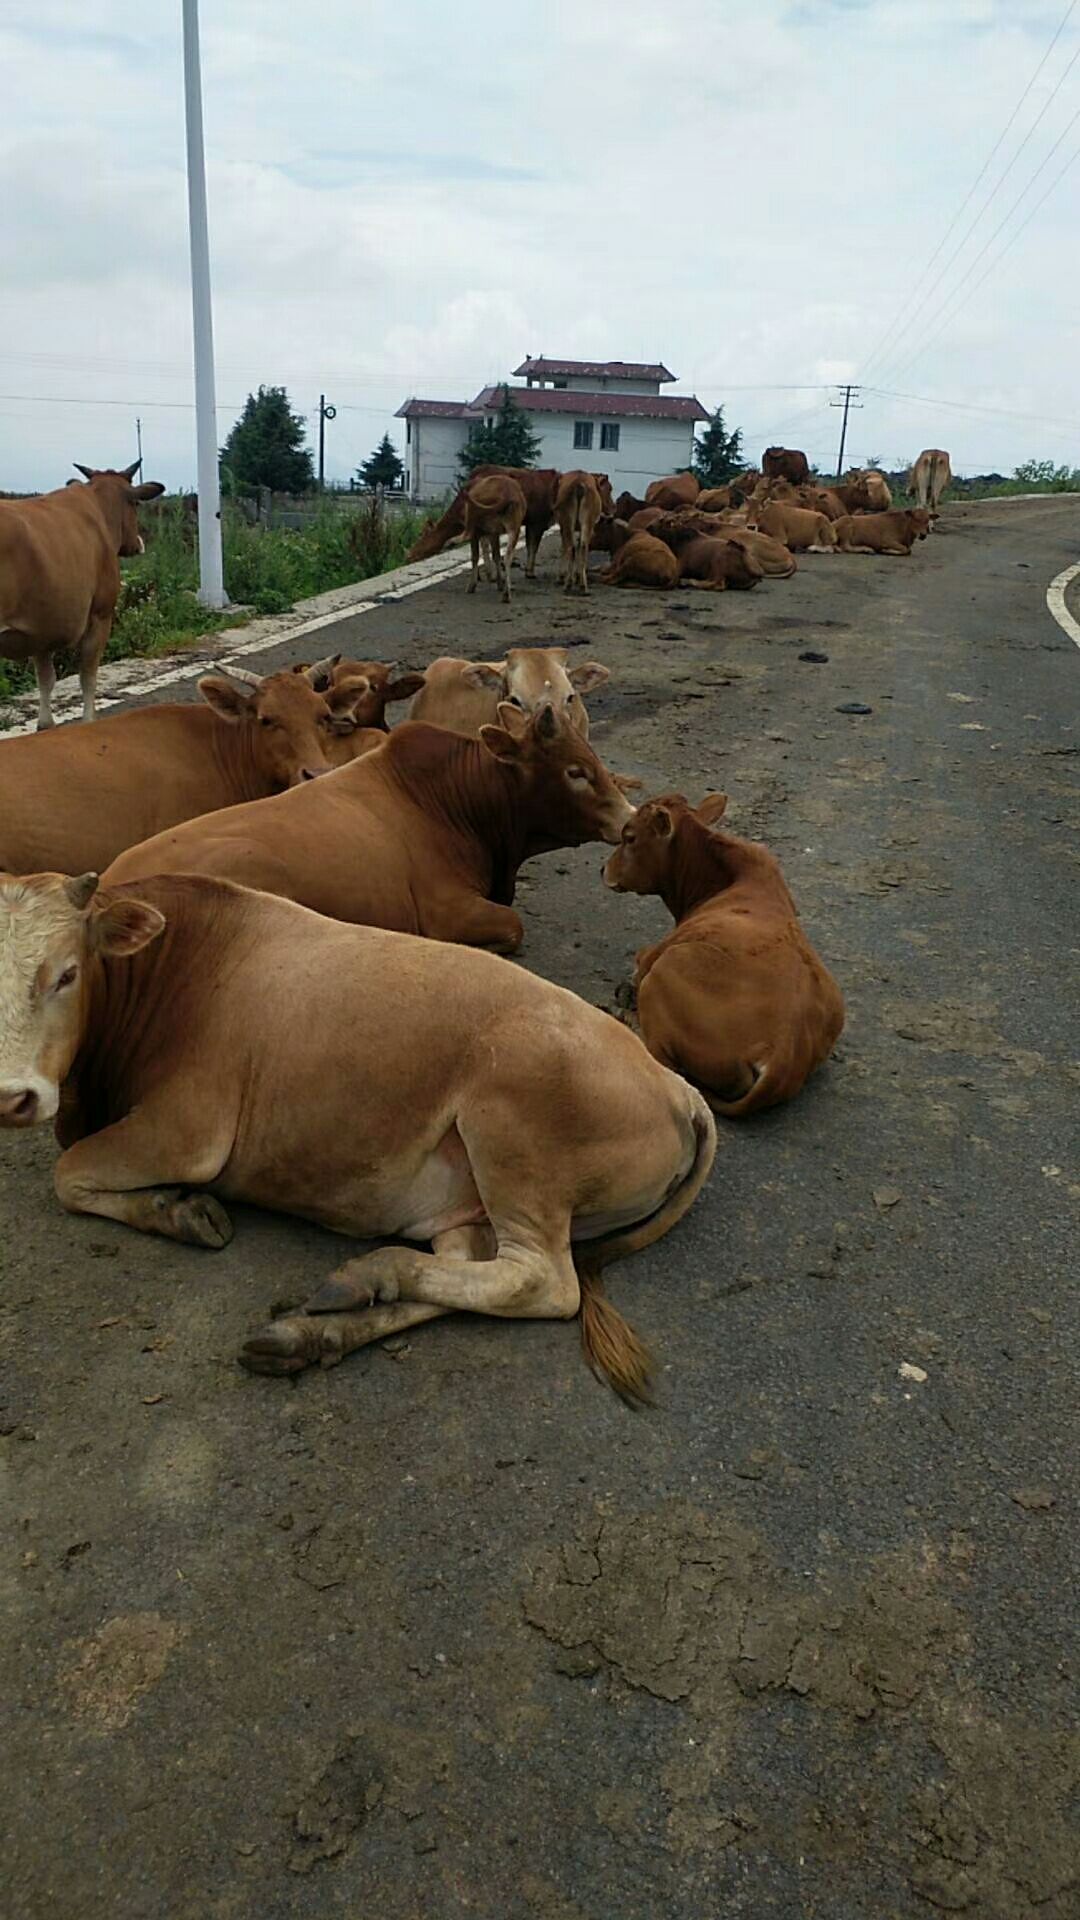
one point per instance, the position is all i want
(969, 406)
(949, 317)
(904, 311)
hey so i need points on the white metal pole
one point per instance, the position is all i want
(211, 576)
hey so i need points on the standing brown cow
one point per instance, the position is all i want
(929, 477)
(494, 506)
(785, 463)
(60, 574)
(578, 507)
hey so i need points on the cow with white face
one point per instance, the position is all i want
(45, 940)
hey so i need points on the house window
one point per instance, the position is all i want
(582, 435)
(609, 439)
(560, 384)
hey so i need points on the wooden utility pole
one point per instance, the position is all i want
(847, 392)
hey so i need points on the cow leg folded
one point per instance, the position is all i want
(121, 1174)
(470, 921)
(301, 1340)
(520, 1283)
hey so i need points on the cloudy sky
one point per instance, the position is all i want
(408, 198)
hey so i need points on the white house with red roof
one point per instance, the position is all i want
(608, 416)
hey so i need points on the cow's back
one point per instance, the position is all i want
(54, 561)
(74, 797)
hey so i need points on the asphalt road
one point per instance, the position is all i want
(448, 1630)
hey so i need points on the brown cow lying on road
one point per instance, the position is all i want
(60, 574)
(798, 528)
(894, 532)
(75, 797)
(716, 564)
(864, 491)
(464, 695)
(578, 506)
(642, 561)
(425, 835)
(678, 490)
(770, 555)
(451, 1099)
(734, 997)
(493, 507)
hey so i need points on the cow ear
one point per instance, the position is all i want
(660, 821)
(343, 723)
(230, 699)
(486, 676)
(585, 679)
(627, 782)
(405, 687)
(513, 720)
(712, 808)
(119, 927)
(501, 744)
(150, 490)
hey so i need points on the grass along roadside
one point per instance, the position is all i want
(267, 570)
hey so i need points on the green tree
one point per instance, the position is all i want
(384, 468)
(510, 442)
(266, 446)
(718, 455)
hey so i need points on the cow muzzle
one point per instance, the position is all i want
(21, 1106)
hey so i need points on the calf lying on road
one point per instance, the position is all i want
(529, 1138)
(464, 695)
(799, 528)
(734, 997)
(894, 532)
(425, 835)
(360, 690)
(76, 797)
(642, 561)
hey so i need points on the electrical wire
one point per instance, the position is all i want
(904, 311)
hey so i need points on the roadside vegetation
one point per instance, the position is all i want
(267, 570)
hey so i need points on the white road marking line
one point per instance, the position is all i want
(266, 643)
(1055, 603)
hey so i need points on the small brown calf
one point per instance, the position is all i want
(494, 506)
(734, 997)
(894, 532)
(643, 561)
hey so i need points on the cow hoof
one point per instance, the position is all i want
(289, 1345)
(202, 1221)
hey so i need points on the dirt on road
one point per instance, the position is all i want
(448, 1630)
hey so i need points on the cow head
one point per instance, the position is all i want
(532, 677)
(607, 498)
(642, 861)
(286, 726)
(358, 692)
(120, 500)
(51, 929)
(568, 795)
(920, 520)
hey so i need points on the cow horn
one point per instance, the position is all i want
(321, 672)
(130, 472)
(88, 472)
(81, 891)
(243, 674)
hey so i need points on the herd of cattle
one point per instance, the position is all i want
(682, 534)
(211, 980)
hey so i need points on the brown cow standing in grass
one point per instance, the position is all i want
(578, 506)
(642, 561)
(494, 507)
(451, 1099)
(894, 532)
(734, 997)
(75, 797)
(60, 574)
(465, 695)
(425, 835)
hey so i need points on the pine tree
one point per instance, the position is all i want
(718, 455)
(384, 468)
(511, 442)
(266, 446)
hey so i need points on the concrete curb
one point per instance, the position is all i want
(119, 679)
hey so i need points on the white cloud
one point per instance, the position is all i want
(402, 202)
